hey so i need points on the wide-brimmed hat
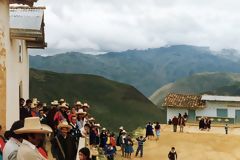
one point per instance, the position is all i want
(64, 105)
(81, 112)
(86, 105)
(33, 125)
(97, 125)
(35, 100)
(44, 105)
(104, 129)
(64, 124)
(91, 119)
(78, 103)
(61, 100)
(34, 105)
(121, 128)
(54, 103)
(124, 131)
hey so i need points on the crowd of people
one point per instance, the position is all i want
(152, 128)
(205, 124)
(63, 126)
(178, 121)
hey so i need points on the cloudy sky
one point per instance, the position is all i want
(116, 25)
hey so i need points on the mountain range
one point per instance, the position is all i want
(147, 70)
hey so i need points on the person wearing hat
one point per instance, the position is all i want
(15, 140)
(63, 145)
(50, 115)
(119, 135)
(103, 138)
(85, 107)
(61, 115)
(34, 133)
(84, 154)
(95, 134)
(81, 120)
(122, 142)
(78, 105)
(61, 101)
(34, 109)
(25, 110)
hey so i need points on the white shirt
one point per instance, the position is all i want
(10, 149)
(81, 123)
(28, 151)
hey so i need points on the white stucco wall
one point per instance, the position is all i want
(209, 111)
(171, 112)
(17, 72)
(4, 48)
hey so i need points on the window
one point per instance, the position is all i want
(222, 113)
(20, 50)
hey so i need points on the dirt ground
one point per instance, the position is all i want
(194, 144)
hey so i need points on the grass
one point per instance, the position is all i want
(113, 104)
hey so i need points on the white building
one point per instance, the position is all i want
(20, 28)
(220, 109)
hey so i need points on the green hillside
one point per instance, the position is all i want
(211, 83)
(112, 103)
(231, 90)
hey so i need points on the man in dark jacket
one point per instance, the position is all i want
(63, 145)
(119, 135)
(172, 155)
(175, 123)
(25, 110)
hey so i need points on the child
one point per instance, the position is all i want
(140, 140)
(110, 152)
(128, 147)
(226, 128)
(172, 155)
(157, 130)
(113, 141)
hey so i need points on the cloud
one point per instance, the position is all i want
(116, 25)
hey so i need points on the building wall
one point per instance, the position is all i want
(12, 73)
(17, 75)
(209, 111)
(171, 112)
(4, 48)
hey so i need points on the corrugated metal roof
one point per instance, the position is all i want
(220, 98)
(26, 18)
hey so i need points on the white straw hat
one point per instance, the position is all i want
(64, 124)
(81, 112)
(34, 105)
(64, 105)
(33, 125)
(86, 105)
(78, 103)
(54, 103)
